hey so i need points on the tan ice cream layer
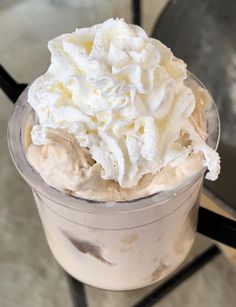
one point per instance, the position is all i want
(63, 164)
(121, 252)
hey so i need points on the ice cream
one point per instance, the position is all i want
(114, 113)
(115, 119)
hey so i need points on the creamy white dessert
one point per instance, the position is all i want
(115, 115)
(117, 120)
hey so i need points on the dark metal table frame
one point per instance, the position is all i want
(224, 230)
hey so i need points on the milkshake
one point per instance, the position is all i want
(115, 139)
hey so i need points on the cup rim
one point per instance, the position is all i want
(35, 181)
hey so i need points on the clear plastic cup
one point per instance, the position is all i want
(113, 245)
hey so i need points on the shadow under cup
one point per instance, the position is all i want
(114, 245)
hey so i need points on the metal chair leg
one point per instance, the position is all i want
(77, 292)
(136, 12)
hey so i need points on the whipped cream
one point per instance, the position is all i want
(122, 96)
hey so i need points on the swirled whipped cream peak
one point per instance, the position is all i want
(121, 98)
